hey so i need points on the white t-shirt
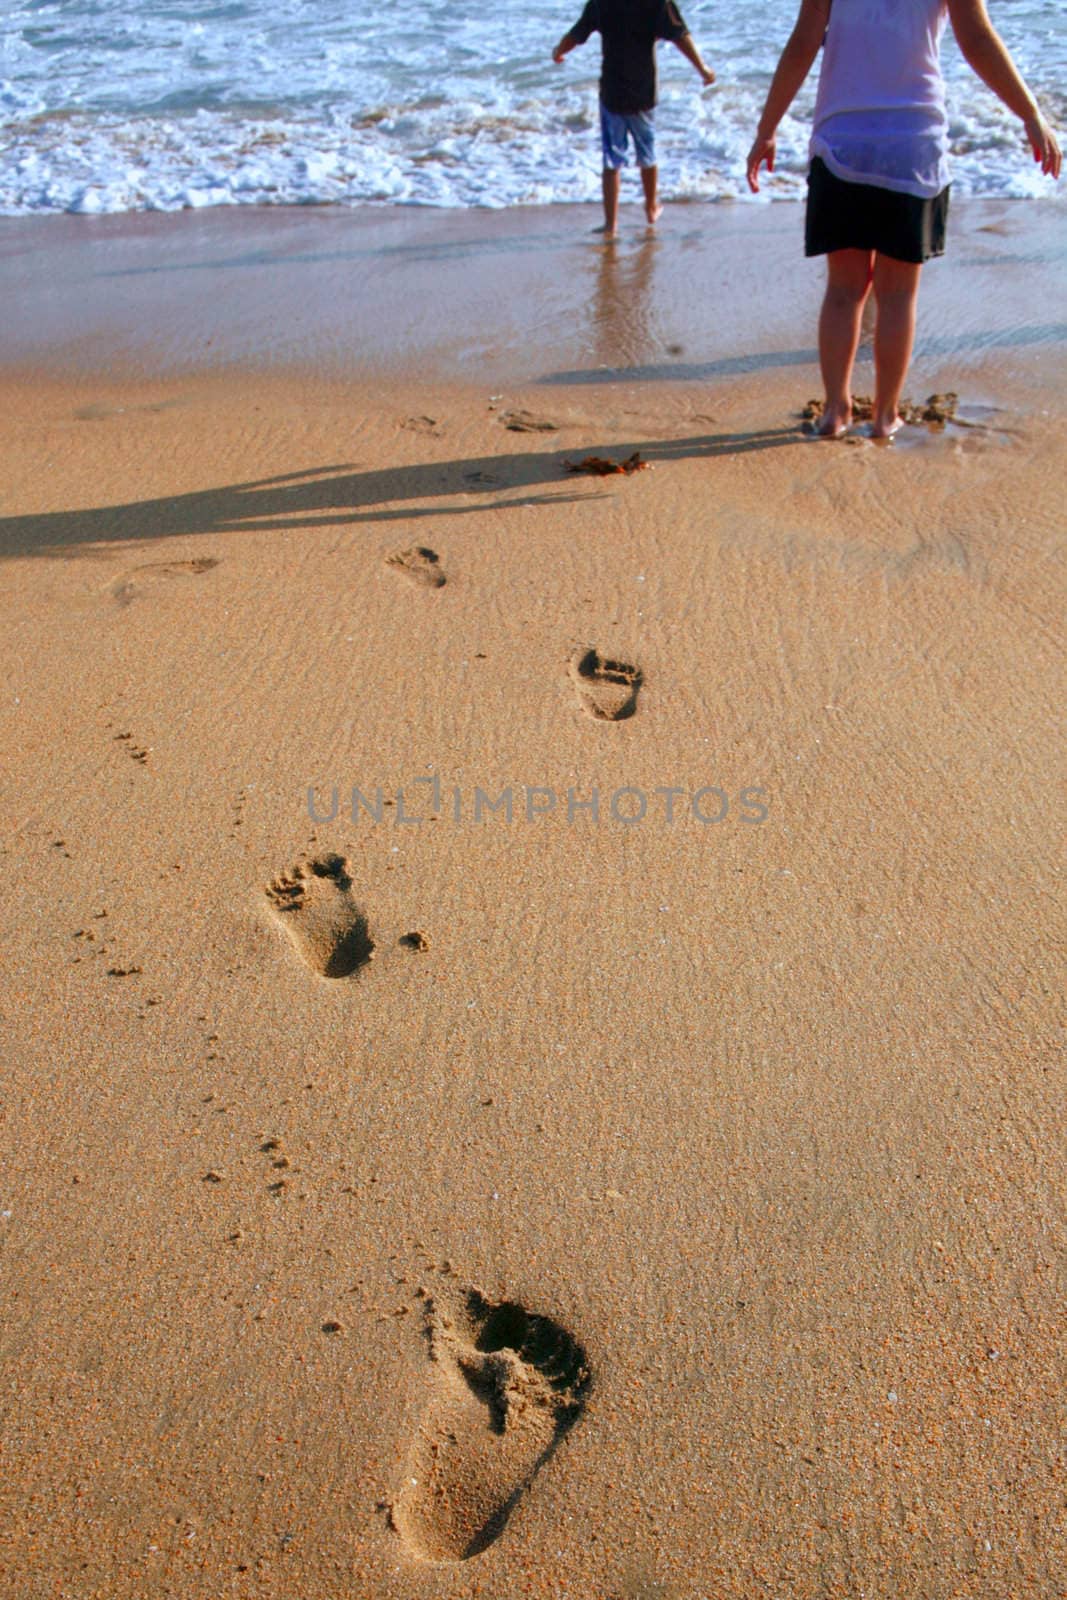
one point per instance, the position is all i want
(880, 108)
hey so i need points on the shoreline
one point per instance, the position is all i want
(532, 296)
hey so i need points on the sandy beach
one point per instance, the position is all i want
(617, 1153)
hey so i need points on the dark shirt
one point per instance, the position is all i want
(628, 31)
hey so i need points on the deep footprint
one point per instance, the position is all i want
(607, 689)
(507, 1385)
(420, 564)
(313, 902)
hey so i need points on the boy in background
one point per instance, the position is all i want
(629, 31)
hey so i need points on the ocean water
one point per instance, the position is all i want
(109, 106)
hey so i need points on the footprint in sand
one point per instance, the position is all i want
(506, 1387)
(131, 584)
(313, 902)
(420, 564)
(527, 422)
(606, 688)
(424, 425)
(98, 410)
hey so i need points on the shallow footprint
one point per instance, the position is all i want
(125, 588)
(527, 422)
(313, 901)
(420, 564)
(607, 689)
(507, 1385)
(424, 425)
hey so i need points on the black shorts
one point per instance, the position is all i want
(860, 216)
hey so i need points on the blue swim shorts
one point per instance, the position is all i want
(615, 129)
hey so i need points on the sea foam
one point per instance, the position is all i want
(440, 103)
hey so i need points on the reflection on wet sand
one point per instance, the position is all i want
(624, 323)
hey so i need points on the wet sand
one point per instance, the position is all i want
(512, 297)
(657, 1200)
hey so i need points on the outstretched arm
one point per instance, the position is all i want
(691, 53)
(792, 69)
(984, 50)
(587, 23)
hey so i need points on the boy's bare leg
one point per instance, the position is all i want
(848, 283)
(649, 183)
(612, 185)
(896, 290)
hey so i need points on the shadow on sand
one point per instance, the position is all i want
(337, 496)
(931, 348)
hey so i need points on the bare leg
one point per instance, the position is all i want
(848, 282)
(896, 289)
(649, 182)
(612, 185)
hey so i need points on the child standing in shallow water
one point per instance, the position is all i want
(878, 182)
(629, 31)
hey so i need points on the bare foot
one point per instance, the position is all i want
(604, 231)
(886, 427)
(834, 423)
(654, 215)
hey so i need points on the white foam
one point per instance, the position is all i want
(307, 101)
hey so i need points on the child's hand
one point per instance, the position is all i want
(1043, 143)
(558, 55)
(763, 150)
